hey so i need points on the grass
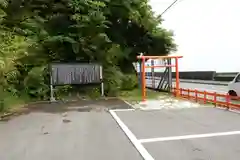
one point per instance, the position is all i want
(136, 95)
(12, 103)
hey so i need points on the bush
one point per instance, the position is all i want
(62, 91)
(94, 93)
(34, 84)
(129, 82)
(3, 106)
(112, 81)
(8, 100)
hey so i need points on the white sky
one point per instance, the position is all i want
(207, 32)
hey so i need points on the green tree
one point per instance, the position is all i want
(110, 32)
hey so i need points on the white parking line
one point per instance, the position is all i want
(162, 139)
(144, 153)
(123, 110)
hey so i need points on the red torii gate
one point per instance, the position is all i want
(143, 67)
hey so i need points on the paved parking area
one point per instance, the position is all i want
(76, 131)
(190, 134)
(86, 130)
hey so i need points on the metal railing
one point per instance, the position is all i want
(217, 99)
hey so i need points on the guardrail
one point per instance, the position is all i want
(193, 81)
(222, 100)
(200, 75)
(225, 76)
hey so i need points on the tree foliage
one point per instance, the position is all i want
(110, 32)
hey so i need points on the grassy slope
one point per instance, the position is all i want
(136, 95)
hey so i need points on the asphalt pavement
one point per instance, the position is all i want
(90, 130)
(57, 132)
(197, 133)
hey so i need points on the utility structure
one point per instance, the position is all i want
(75, 74)
(166, 73)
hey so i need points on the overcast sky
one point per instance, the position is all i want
(207, 32)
